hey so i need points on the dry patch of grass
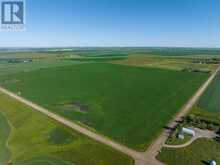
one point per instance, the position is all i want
(75, 106)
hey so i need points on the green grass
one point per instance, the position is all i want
(4, 134)
(199, 153)
(60, 136)
(129, 104)
(36, 139)
(98, 59)
(210, 101)
(44, 161)
(177, 141)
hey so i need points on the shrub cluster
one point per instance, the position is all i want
(202, 123)
(174, 134)
(207, 61)
(218, 131)
(189, 69)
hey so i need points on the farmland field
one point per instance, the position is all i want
(7, 68)
(128, 104)
(30, 138)
(13, 62)
(173, 63)
(208, 107)
(210, 101)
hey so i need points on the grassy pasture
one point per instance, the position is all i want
(128, 104)
(199, 153)
(177, 141)
(4, 134)
(44, 161)
(37, 140)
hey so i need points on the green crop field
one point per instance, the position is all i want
(199, 153)
(7, 68)
(128, 104)
(173, 63)
(210, 101)
(29, 138)
(205, 114)
(13, 62)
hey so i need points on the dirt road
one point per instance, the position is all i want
(141, 158)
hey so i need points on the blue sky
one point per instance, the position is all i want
(180, 23)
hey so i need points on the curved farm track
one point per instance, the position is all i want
(199, 134)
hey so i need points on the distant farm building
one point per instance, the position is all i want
(18, 60)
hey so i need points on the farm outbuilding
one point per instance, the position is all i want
(212, 162)
(184, 131)
(188, 131)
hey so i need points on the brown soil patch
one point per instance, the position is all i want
(76, 106)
